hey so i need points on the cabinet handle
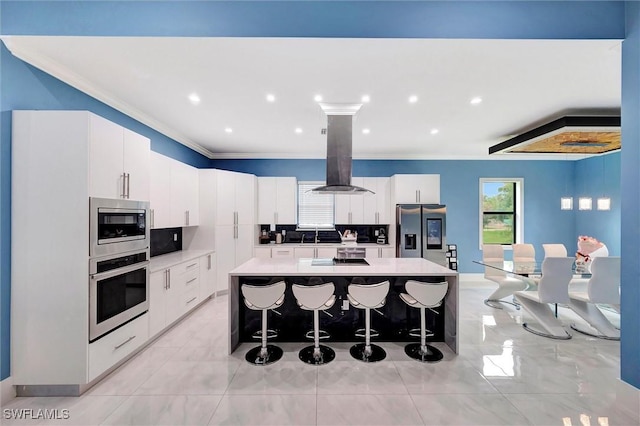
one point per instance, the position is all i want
(235, 232)
(192, 299)
(128, 181)
(168, 278)
(209, 261)
(377, 218)
(235, 218)
(123, 193)
(152, 213)
(192, 280)
(192, 265)
(124, 343)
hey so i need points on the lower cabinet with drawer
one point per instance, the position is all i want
(380, 252)
(173, 292)
(115, 346)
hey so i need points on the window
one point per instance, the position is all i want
(501, 211)
(315, 210)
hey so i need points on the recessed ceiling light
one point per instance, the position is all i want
(434, 131)
(366, 98)
(298, 130)
(413, 99)
(476, 100)
(366, 131)
(271, 98)
(228, 129)
(194, 98)
(317, 98)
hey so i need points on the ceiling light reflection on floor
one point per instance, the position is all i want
(499, 365)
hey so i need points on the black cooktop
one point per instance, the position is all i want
(337, 262)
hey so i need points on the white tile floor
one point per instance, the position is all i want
(502, 376)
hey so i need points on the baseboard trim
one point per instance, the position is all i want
(7, 391)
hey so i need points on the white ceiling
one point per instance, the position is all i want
(522, 84)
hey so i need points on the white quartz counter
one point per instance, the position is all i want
(384, 267)
(164, 261)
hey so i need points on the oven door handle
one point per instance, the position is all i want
(119, 271)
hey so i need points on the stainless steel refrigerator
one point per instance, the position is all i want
(421, 231)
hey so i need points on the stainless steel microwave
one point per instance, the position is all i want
(117, 226)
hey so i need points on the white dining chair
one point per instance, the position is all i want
(553, 287)
(493, 255)
(604, 288)
(554, 250)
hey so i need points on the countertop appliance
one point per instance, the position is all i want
(421, 231)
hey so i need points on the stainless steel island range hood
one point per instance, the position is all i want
(339, 149)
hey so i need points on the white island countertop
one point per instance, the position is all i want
(377, 267)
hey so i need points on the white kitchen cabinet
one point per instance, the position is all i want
(415, 189)
(184, 194)
(173, 292)
(314, 252)
(349, 208)
(160, 191)
(282, 252)
(118, 159)
(58, 162)
(207, 276)
(174, 191)
(277, 200)
(380, 252)
(377, 206)
(115, 346)
(262, 252)
(236, 198)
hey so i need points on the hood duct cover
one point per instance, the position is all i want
(339, 149)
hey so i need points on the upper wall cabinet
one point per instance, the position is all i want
(118, 161)
(174, 193)
(415, 189)
(350, 208)
(236, 198)
(377, 206)
(277, 200)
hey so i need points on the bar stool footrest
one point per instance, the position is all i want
(359, 352)
(271, 334)
(322, 335)
(431, 354)
(323, 355)
(415, 332)
(362, 333)
(273, 354)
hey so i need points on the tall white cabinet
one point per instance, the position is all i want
(367, 208)
(277, 200)
(55, 169)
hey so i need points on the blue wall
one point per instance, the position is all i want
(517, 19)
(630, 187)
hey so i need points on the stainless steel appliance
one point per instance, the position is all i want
(421, 231)
(117, 226)
(118, 290)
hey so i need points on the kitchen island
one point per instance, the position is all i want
(393, 321)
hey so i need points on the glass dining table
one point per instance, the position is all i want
(530, 272)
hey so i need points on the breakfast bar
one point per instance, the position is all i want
(392, 321)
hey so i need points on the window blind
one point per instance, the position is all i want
(315, 210)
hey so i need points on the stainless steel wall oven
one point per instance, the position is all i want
(118, 291)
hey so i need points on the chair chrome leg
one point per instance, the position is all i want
(580, 329)
(543, 334)
(489, 302)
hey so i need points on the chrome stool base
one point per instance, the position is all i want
(323, 355)
(264, 356)
(415, 351)
(375, 353)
